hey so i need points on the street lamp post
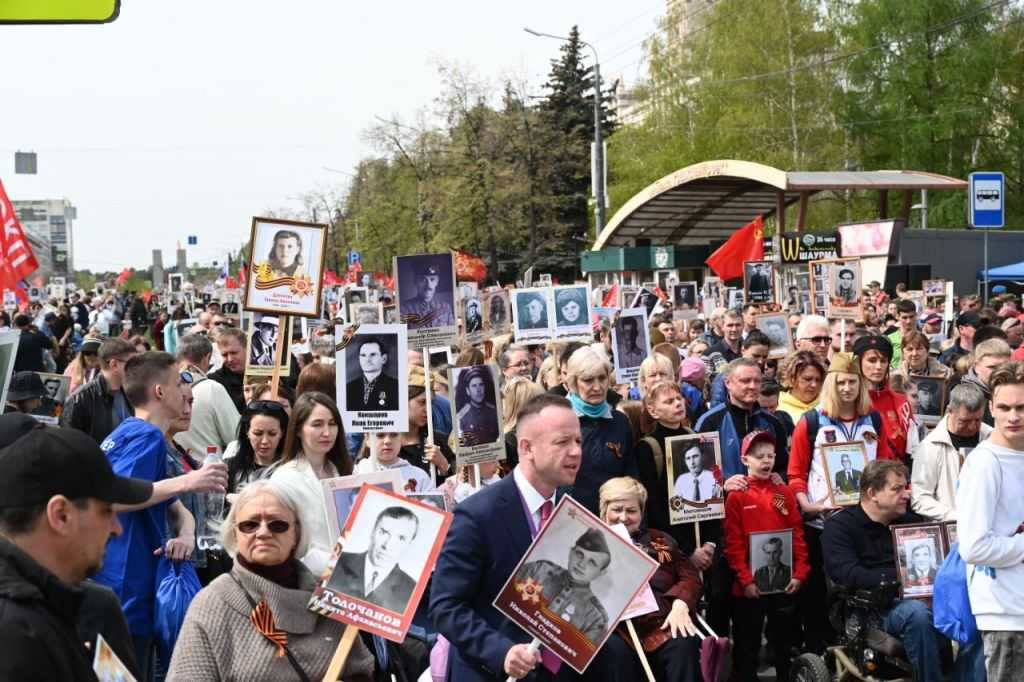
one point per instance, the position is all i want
(597, 169)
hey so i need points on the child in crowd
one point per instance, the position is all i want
(764, 545)
(692, 375)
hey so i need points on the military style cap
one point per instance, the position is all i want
(593, 541)
(874, 342)
(844, 362)
(427, 269)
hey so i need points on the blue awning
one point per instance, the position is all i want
(1015, 271)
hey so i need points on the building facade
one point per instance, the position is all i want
(48, 226)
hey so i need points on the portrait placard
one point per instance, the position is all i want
(434, 499)
(396, 540)
(934, 287)
(844, 465)
(261, 331)
(630, 344)
(355, 296)
(497, 318)
(476, 414)
(365, 313)
(371, 366)
(771, 559)
(8, 351)
(605, 572)
(693, 467)
(666, 279)
(759, 281)
(844, 289)
(340, 494)
(684, 296)
(796, 290)
(533, 314)
(927, 396)
(175, 282)
(287, 260)
(949, 528)
(57, 386)
(572, 313)
(776, 327)
(819, 275)
(426, 298)
(107, 666)
(736, 299)
(471, 312)
(647, 299)
(919, 550)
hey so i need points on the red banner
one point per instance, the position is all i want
(17, 261)
(123, 277)
(745, 244)
(469, 267)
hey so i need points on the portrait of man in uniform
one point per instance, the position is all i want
(474, 320)
(477, 412)
(631, 349)
(371, 388)
(772, 573)
(374, 575)
(566, 589)
(427, 308)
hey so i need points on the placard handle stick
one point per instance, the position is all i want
(430, 412)
(534, 647)
(476, 472)
(341, 654)
(275, 377)
(640, 651)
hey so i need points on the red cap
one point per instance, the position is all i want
(759, 436)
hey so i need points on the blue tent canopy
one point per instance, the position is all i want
(1015, 271)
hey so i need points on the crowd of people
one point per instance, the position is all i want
(92, 509)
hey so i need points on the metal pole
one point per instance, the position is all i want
(985, 293)
(598, 150)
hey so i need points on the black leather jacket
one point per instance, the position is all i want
(91, 409)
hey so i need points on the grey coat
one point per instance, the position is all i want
(219, 642)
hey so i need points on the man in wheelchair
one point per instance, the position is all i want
(859, 558)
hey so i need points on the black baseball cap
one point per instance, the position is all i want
(968, 319)
(45, 461)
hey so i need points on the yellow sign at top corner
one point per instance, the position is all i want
(59, 11)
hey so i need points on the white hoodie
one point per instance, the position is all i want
(990, 508)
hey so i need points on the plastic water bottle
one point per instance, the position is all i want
(209, 536)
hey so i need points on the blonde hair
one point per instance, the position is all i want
(991, 348)
(586, 361)
(621, 488)
(656, 362)
(514, 395)
(549, 365)
(828, 399)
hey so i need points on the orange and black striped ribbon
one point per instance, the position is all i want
(263, 619)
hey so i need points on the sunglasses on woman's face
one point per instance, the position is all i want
(276, 526)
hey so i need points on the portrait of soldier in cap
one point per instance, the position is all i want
(567, 592)
(426, 309)
(474, 320)
(477, 412)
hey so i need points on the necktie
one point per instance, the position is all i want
(367, 390)
(373, 583)
(696, 490)
(548, 659)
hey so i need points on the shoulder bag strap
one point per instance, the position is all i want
(291, 659)
(659, 455)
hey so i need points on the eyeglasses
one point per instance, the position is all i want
(268, 405)
(817, 339)
(276, 526)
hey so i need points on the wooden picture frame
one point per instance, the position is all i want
(292, 289)
(916, 569)
(762, 274)
(844, 484)
(929, 405)
(776, 327)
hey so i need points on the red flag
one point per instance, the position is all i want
(469, 267)
(386, 280)
(147, 296)
(611, 299)
(17, 261)
(123, 277)
(746, 244)
(331, 278)
(243, 273)
(230, 283)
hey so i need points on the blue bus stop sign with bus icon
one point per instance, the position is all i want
(987, 199)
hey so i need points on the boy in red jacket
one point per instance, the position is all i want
(770, 567)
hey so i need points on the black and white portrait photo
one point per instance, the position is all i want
(390, 548)
(630, 344)
(355, 296)
(473, 321)
(919, 553)
(693, 469)
(287, 262)
(533, 314)
(645, 298)
(365, 313)
(494, 305)
(846, 289)
(477, 414)
(261, 331)
(371, 362)
(684, 296)
(579, 573)
(426, 297)
(771, 560)
(776, 327)
(174, 282)
(759, 282)
(573, 312)
(927, 396)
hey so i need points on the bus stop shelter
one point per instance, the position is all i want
(706, 202)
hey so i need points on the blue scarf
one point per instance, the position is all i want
(588, 410)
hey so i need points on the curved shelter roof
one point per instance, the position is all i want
(708, 201)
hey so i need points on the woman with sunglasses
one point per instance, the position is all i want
(85, 366)
(314, 449)
(220, 640)
(260, 443)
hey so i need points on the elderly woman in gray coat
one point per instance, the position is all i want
(220, 640)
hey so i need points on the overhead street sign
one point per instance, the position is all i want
(986, 199)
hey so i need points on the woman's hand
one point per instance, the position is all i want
(794, 586)
(701, 557)
(678, 621)
(177, 549)
(432, 455)
(736, 483)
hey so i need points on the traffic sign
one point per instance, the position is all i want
(193, 240)
(354, 257)
(987, 199)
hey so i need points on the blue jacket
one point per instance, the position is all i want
(607, 453)
(719, 393)
(488, 536)
(694, 399)
(719, 419)
(137, 449)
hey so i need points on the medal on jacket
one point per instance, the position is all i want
(779, 502)
(830, 435)
(380, 399)
(614, 447)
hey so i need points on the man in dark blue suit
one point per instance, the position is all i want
(490, 534)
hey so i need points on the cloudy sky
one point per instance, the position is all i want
(191, 117)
